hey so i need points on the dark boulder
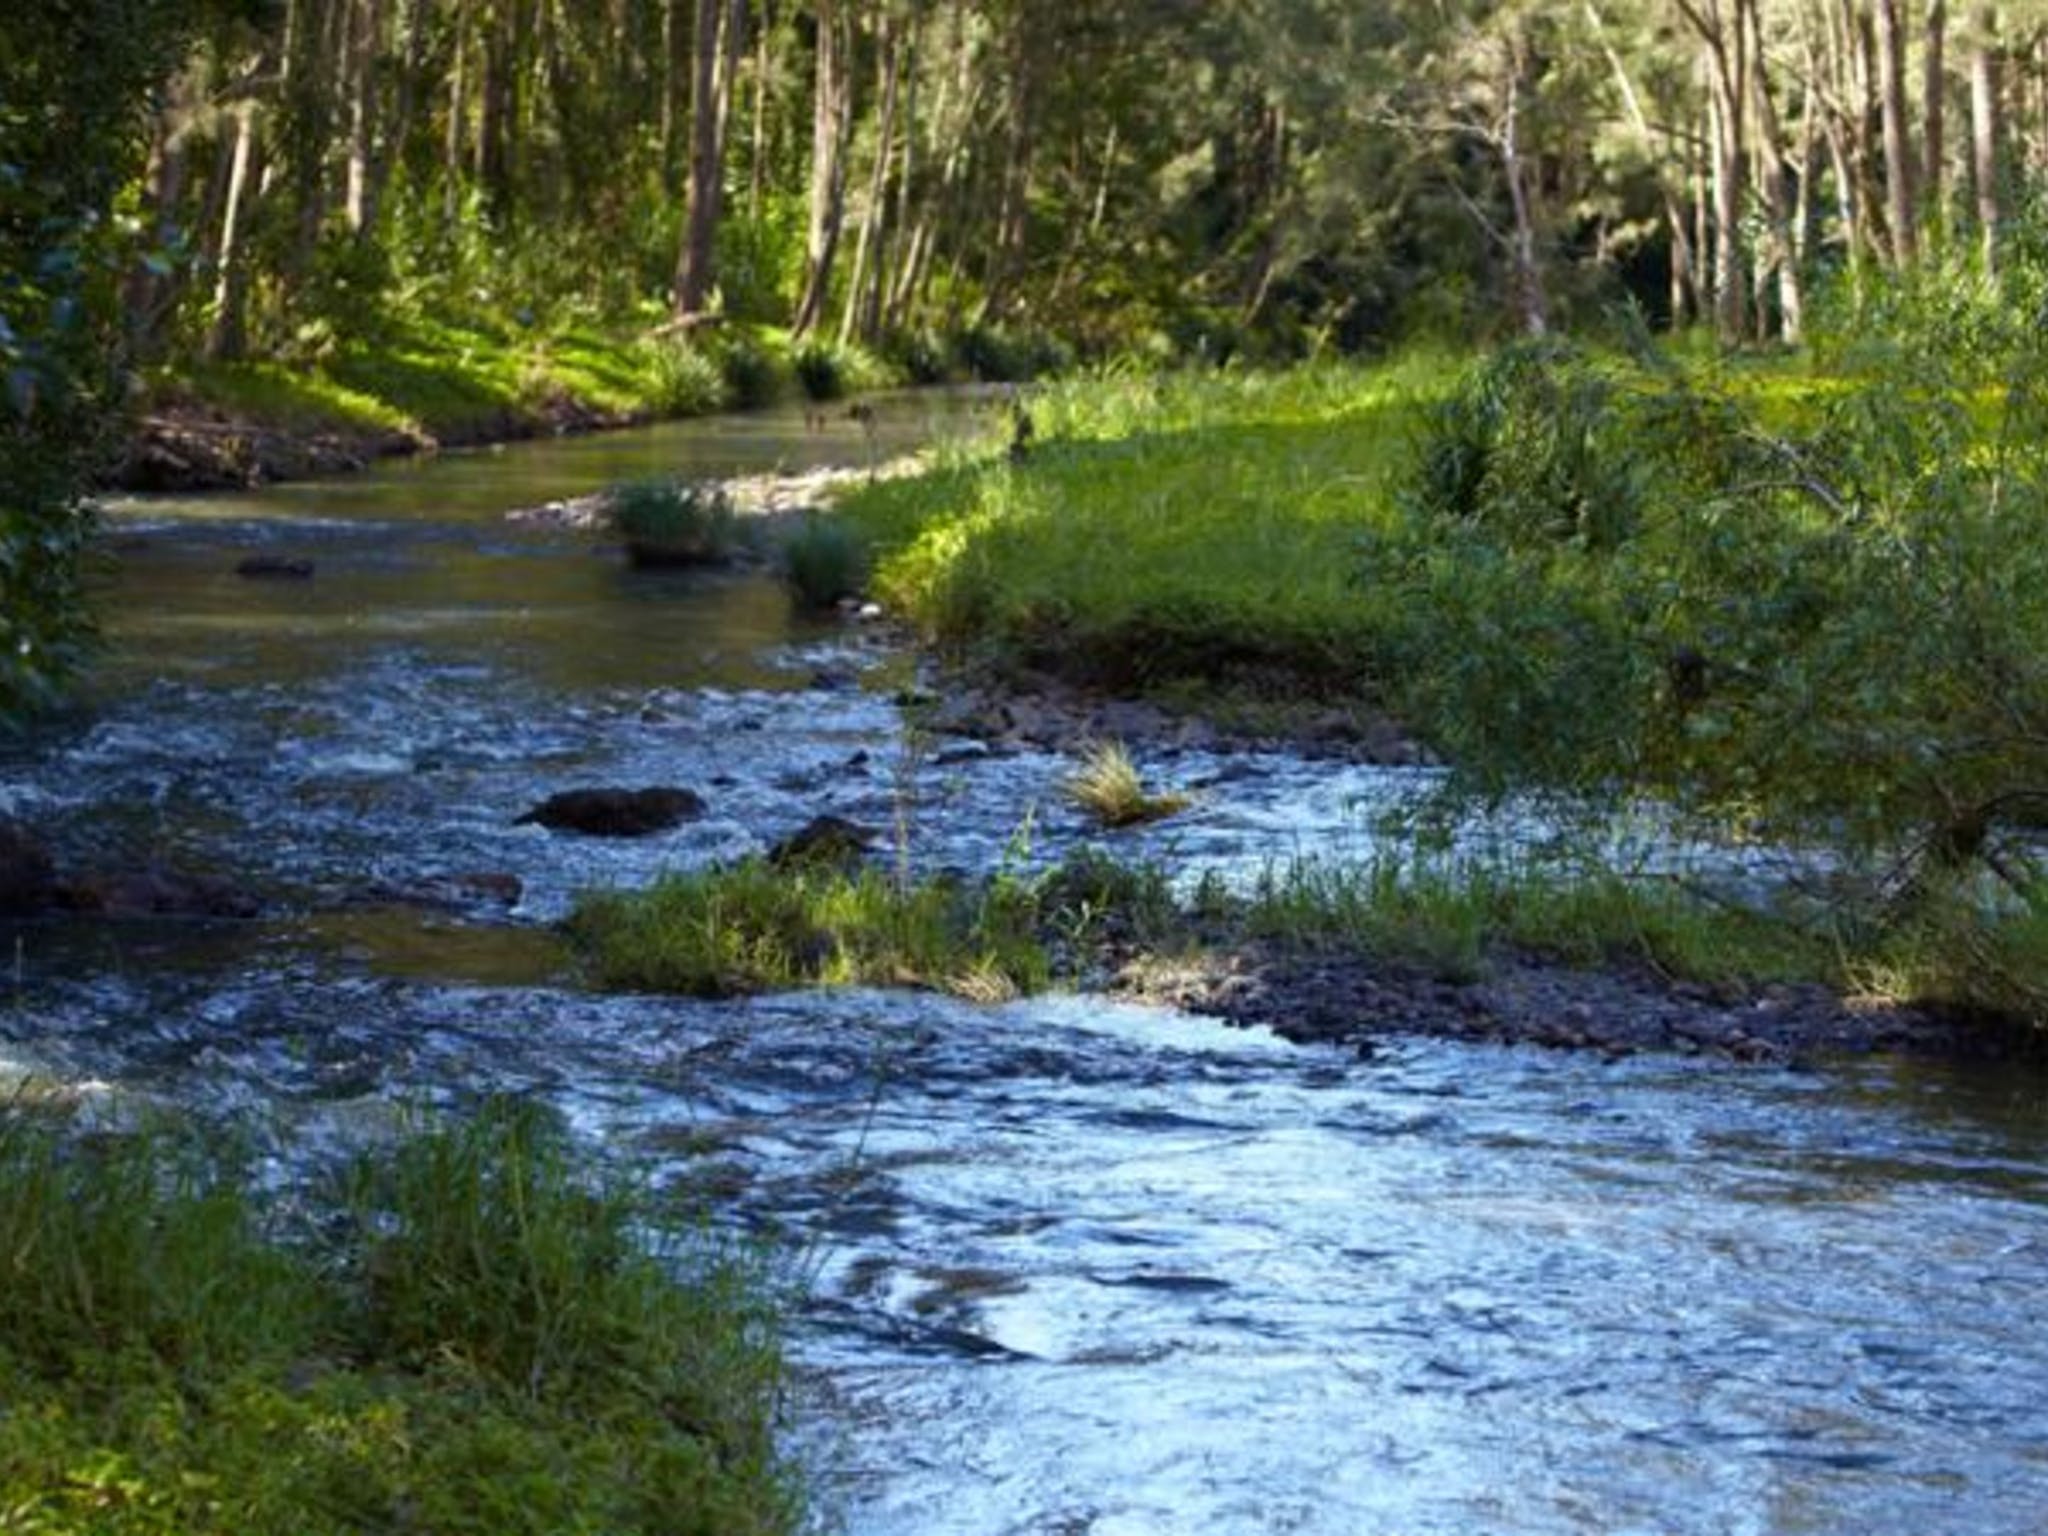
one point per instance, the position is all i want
(822, 842)
(157, 891)
(275, 568)
(27, 875)
(615, 812)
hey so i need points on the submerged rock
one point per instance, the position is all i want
(156, 890)
(275, 568)
(616, 812)
(28, 875)
(823, 841)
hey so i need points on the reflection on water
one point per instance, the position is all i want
(1073, 1267)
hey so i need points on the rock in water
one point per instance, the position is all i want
(822, 842)
(615, 812)
(27, 874)
(157, 891)
(275, 568)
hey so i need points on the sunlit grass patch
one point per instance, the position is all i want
(1451, 916)
(751, 927)
(1108, 786)
(471, 1337)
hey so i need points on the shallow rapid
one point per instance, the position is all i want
(1067, 1266)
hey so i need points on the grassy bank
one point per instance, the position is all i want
(1784, 599)
(442, 381)
(1186, 527)
(753, 928)
(471, 1338)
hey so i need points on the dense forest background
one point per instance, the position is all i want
(1127, 174)
(449, 220)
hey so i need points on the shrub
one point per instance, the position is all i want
(820, 370)
(680, 380)
(824, 561)
(674, 522)
(753, 378)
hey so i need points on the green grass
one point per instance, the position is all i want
(474, 1340)
(1451, 918)
(1197, 526)
(442, 380)
(1108, 786)
(752, 928)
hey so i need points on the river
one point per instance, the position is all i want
(1071, 1267)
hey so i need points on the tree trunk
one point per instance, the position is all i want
(863, 298)
(707, 162)
(1772, 158)
(366, 27)
(1984, 128)
(1532, 307)
(227, 334)
(1934, 113)
(1898, 150)
(831, 110)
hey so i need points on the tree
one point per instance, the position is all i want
(74, 132)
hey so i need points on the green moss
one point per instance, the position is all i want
(479, 1343)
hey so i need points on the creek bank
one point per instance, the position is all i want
(1355, 1001)
(1009, 710)
(776, 497)
(185, 445)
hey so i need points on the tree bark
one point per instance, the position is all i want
(1898, 150)
(831, 111)
(366, 25)
(1773, 161)
(1934, 113)
(707, 162)
(863, 295)
(227, 334)
(1984, 129)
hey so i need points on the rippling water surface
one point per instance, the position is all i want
(1071, 1267)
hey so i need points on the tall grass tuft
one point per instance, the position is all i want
(675, 522)
(751, 928)
(825, 561)
(1108, 786)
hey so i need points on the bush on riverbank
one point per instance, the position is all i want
(477, 1341)
(1784, 604)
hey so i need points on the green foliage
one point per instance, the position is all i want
(1451, 917)
(681, 381)
(71, 131)
(824, 561)
(675, 522)
(478, 1343)
(753, 374)
(996, 355)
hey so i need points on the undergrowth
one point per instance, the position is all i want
(472, 1337)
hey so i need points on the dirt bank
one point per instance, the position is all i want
(1357, 1001)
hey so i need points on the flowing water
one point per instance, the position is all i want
(1073, 1267)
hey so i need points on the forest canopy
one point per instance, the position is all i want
(1126, 173)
